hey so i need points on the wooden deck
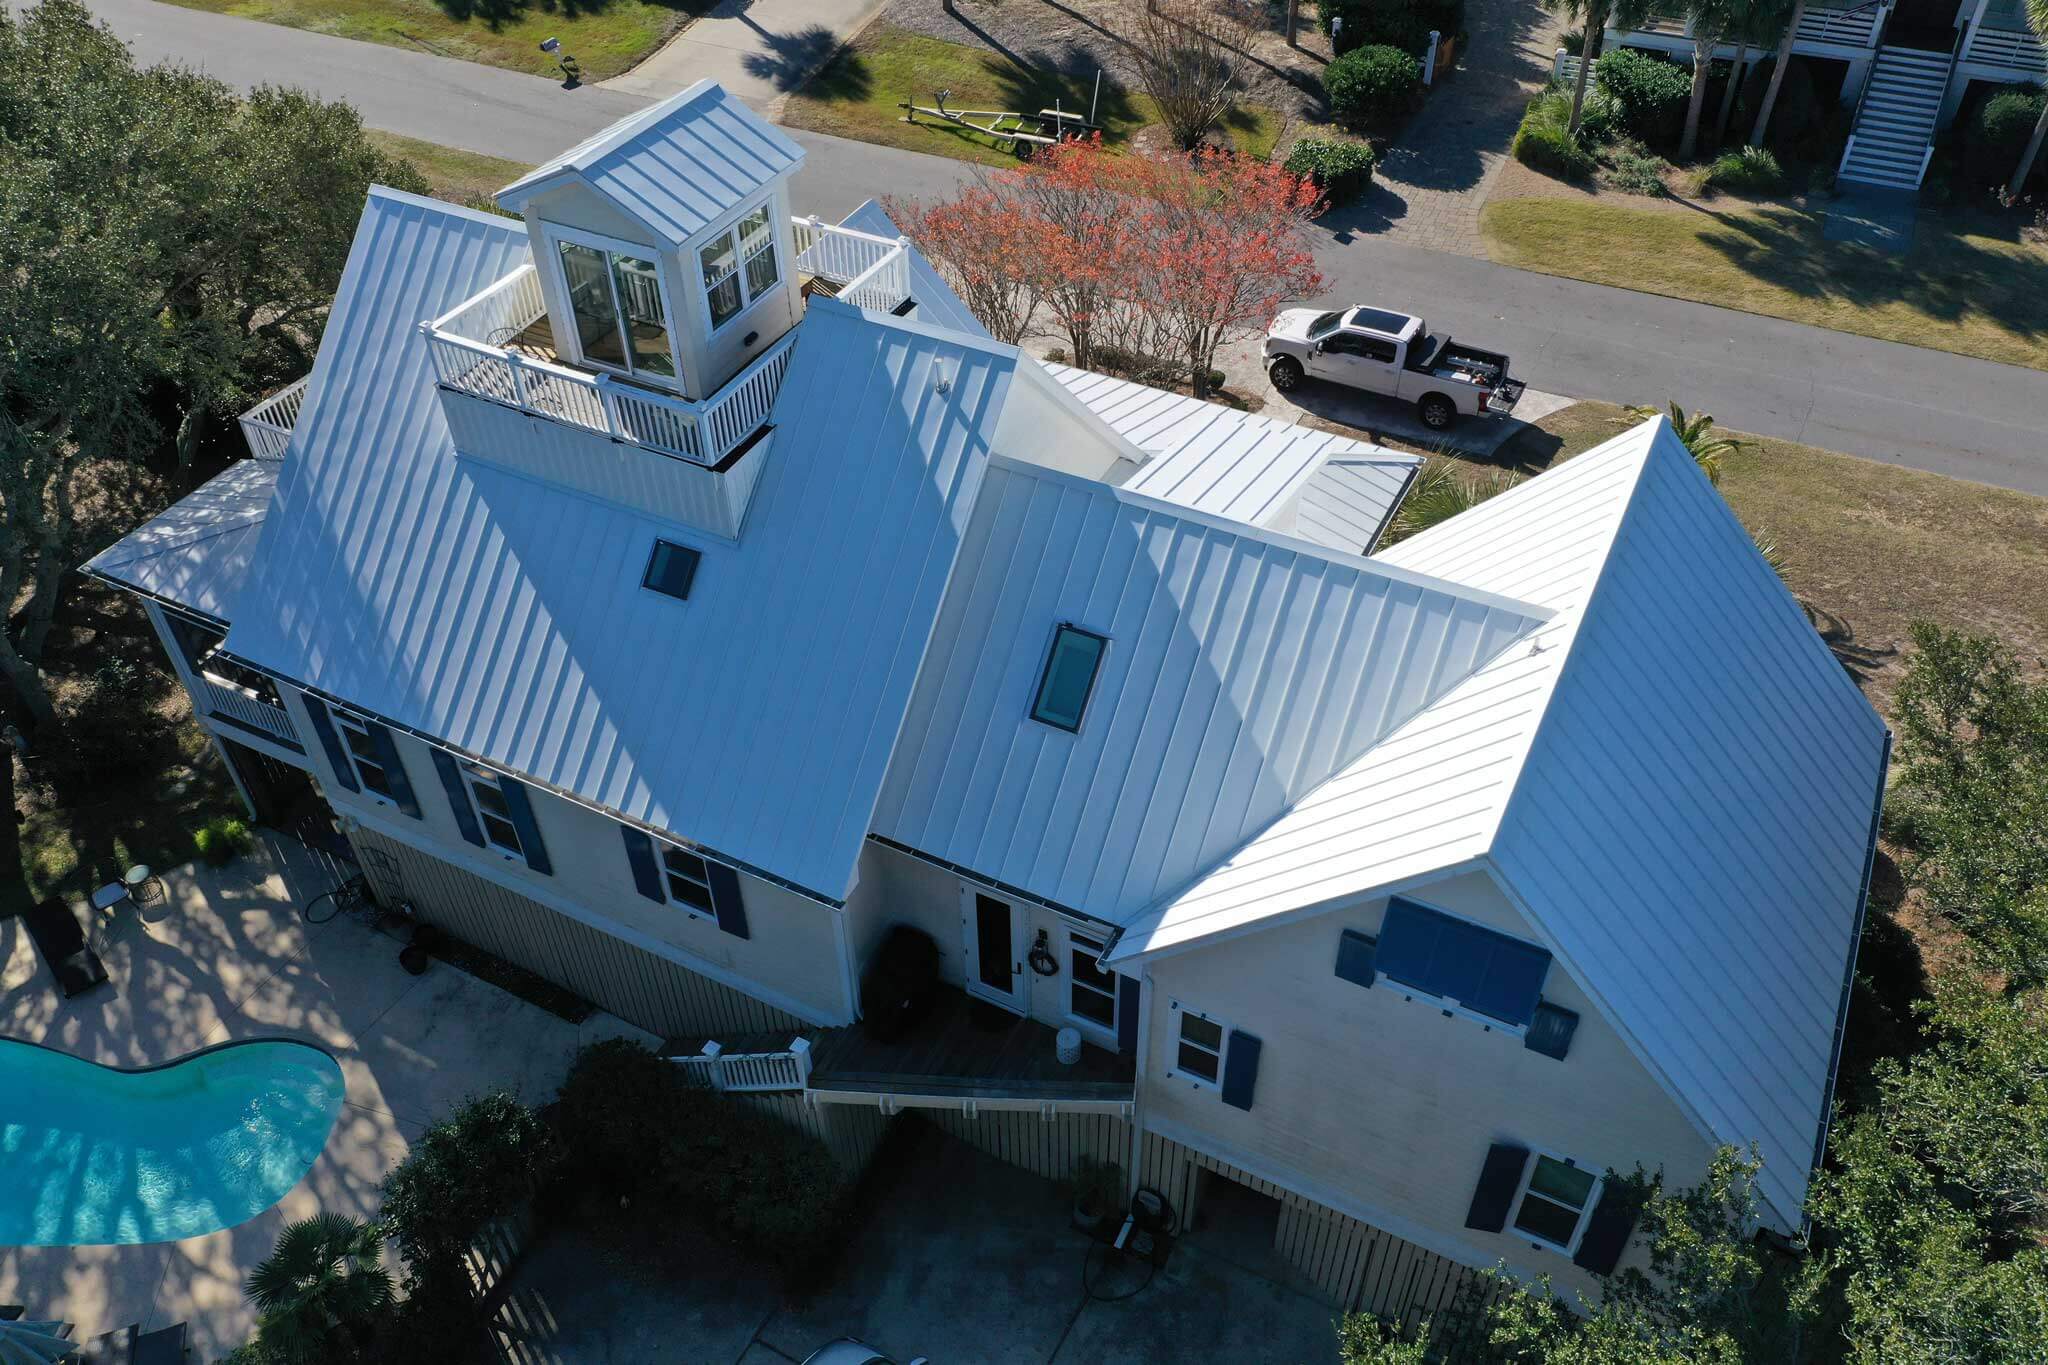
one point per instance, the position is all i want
(968, 1048)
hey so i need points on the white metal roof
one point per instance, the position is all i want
(677, 167)
(507, 617)
(195, 552)
(1674, 779)
(1235, 464)
(937, 304)
(1243, 668)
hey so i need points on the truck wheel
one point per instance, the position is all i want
(1436, 411)
(1285, 374)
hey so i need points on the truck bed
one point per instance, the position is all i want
(1469, 364)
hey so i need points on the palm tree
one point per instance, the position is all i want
(1444, 488)
(1593, 17)
(1784, 59)
(1712, 20)
(2037, 20)
(320, 1288)
(1697, 433)
(1760, 17)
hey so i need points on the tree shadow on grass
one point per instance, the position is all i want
(1861, 661)
(1944, 276)
(790, 57)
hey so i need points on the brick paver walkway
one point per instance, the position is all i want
(1429, 189)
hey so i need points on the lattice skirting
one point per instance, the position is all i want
(643, 988)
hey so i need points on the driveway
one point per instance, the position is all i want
(964, 1259)
(227, 956)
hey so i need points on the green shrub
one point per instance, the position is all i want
(1372, 85)
(474, 1166)
(1998, 133)
(1599, 117)
(1544, 141)
(1796, 118)
(1632, 170)
(1748, 170)
(1341, 168)
(223, 839)
(1405, 24)
(1650, 94)
(628, 1123)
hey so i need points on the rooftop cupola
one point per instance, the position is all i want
(664, 244)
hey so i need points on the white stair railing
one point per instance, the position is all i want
(267, 427)
(741, 1072)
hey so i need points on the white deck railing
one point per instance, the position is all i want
(1841, 27)
(225, 699)
(469, 347)
(2007, 49)
(267, 427)
(868, 271)
(716, 1069)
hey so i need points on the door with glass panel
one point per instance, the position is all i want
(993, 931)
(620, 321)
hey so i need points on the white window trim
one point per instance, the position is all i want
(1585, 1214)
(661, 848)
(472, 775)
(597, 241)
(346, 721)
(748, 298)
(1175, 1009)
(1444, 1002)
(1090, 1028)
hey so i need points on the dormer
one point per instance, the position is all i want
(664, 244)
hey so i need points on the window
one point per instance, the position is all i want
(1478, 970)
(739, 265)
(1555, 1201)
(687, 878)
(1068, 678)
(493, 813)
(1198, 1046)
(616, 300)
(364, 755)
(671, 569)
(1091, 993)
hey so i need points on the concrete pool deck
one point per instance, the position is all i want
(224, 956)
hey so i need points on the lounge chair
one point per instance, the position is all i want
(62, 943)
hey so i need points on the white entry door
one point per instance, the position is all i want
(994, 934)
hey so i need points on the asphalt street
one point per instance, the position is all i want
(1905, 405)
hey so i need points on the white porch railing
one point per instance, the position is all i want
(267, 427)
(2006, 49)
(716, 1069)
(225, 699)
(1841, 27)
(470, 356)
(868, 271)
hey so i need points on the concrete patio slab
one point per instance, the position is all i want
(227, 956)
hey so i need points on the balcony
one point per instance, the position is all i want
(257, 710)
(2008, 51)
(267, 427)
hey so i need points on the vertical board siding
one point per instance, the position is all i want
(851, 1132)
(1025, 1138)
(1359, 1267)
(638, 986)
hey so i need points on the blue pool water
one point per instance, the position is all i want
(90, 1155)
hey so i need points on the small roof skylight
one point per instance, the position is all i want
(1069, 677)
(671, 569)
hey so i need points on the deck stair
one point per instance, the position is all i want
(1895, 121)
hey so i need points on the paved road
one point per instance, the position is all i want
(1927, 409)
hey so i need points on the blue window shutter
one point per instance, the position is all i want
(725, 899)
(323, 726)
(458, 796)
(1482, 969)
(1240, 1070)
(1129, 995)
(1550, 1032)
(1607, 1233)
(521, 811)
(1498, 1181)
(1355, 952)
(394, 770)
(646, 873)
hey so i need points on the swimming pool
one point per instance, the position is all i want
(91, 1155)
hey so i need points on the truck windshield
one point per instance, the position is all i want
(1324, 324)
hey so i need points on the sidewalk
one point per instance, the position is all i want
(760, 50)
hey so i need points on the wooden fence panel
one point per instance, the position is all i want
(1025, 1138)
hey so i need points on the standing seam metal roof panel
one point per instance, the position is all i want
(506, 616)
(1242, 670)
(196, 552)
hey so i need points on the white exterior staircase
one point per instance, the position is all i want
(1894, 132)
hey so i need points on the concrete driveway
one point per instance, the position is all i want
(965, 1259)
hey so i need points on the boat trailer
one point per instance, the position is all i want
(1019, 132)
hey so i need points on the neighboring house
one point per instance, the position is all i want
(1905, 66)
(658, 622)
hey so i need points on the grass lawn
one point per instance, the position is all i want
(1957, 289)
(1869, 547)
(606, 37)
(455, 175)
(855, 95)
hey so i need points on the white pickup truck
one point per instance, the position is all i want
(1392, 354)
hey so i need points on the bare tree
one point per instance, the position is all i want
(1191, 57)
